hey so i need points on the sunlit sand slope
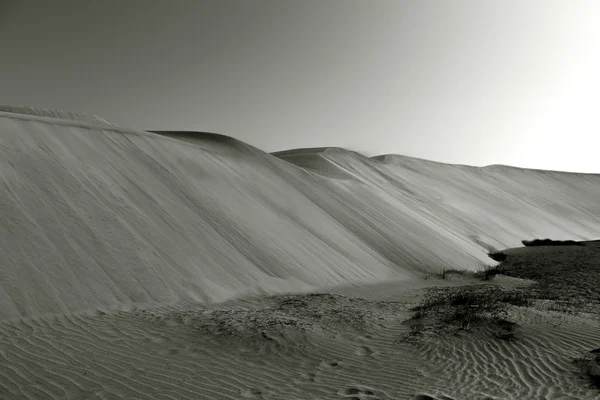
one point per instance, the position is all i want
(95, 216)
(494, 207)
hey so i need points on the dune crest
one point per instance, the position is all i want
(57, 114)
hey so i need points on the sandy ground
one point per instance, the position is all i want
(347, 344)
(143, 266)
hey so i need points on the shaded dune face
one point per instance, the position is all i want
(96, 216)
(215, 143)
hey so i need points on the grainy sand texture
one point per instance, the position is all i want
(183, 265)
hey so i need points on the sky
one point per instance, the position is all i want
(475, 82)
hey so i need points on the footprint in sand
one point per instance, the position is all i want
(252, 393)
(155, 339)
(306, 377)
(167, 351)
(364, 351)
(355, 393)
(422, 396)
(330, 364)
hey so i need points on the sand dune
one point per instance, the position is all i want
(181, 265)
(119, 217)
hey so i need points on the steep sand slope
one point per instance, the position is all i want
(95, 216)
(506, 204)
(495, 206)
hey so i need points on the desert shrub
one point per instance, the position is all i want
(505, 329)
(550, 242)
(466, 307)
(589, 366)
(443, 274)
(497, 256)
(446, 273)
(488, 273)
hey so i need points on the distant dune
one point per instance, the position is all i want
(95, 216)
(213, 142)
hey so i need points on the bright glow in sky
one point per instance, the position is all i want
(466, 81)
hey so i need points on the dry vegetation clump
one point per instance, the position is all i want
(589, 365)
(489, 273)
(486, 274)
(283, 315)
(497, 256)
(445, 273)
(550, 242)
(447, 310)
(316, 312)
